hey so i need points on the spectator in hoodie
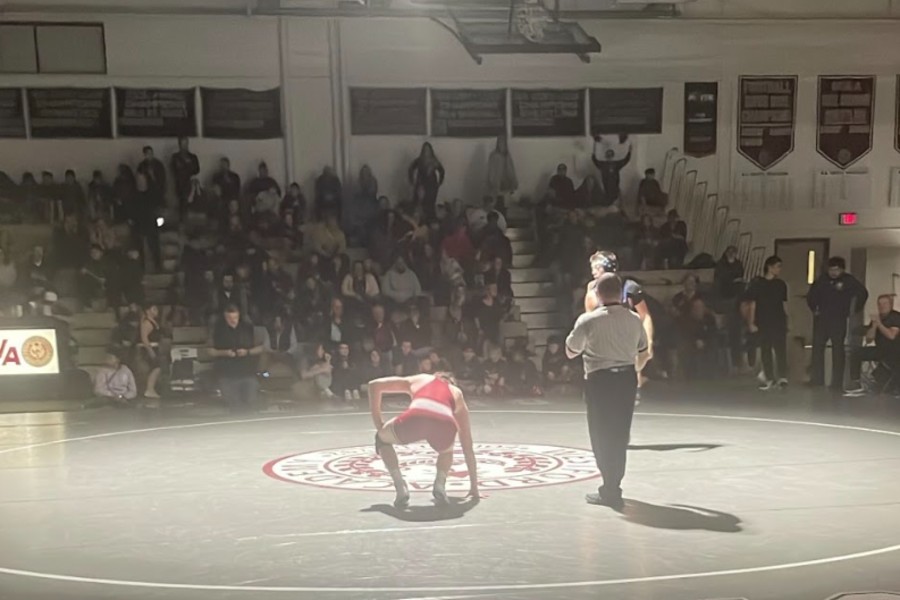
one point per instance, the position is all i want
(400, 285)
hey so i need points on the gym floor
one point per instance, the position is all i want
(729, 494)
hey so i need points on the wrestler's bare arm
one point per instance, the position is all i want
(392, 385)
(590, 298)
(465, 439)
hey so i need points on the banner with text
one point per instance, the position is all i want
(548, 113)
(701, 118)
(846, 118)
(626, 110)
(70, 112)
(388, 111)
(12, 113)
(238, 114)
(767, 117)
(28, 352)
(156, 113)
(468, 113)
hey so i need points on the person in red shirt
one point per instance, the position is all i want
(436, 413)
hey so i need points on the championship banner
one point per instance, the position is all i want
(28, 352)
(701, 112)
(767, 118)
(846, 118)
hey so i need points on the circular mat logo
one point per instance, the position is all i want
(37, 351)
(500, 467)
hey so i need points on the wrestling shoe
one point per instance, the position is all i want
(855, 391)
(402, 498)
(782, 383)
(767, 386)
(596, 499)
(440, 497)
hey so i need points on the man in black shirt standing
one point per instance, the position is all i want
(237, 355)
(768, 320)
(885, 331)
(830, 298)
(185, 165)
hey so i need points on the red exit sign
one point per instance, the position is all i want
(848, 218)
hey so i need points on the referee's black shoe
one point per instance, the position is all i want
(615, 503)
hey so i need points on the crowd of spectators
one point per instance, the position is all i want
(260, 257)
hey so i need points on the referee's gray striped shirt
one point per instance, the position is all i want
(608, 337)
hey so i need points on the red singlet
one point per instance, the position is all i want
(430, 417)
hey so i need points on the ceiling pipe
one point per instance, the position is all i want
(653, 12)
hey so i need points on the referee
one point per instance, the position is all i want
(612, 343)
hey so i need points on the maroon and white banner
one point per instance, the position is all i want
(846, 118)
(767, 118)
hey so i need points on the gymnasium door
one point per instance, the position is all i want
(804, 260)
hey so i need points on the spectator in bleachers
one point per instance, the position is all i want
(48, 194)
(115, 381)
(556, 367)
(495, 371)
(236, 356)
(230, 293)
(124, 194)
(228, 181)
(489, 313)
(439, 363)
(493, 242)
(406, 361)
(646, 240)
(699, 340)
(730, 286)
(359, 288)
(469, 370)
(345, 375)
(500, 276)
(262, 182)
(8, 279)
(294, 204)
(267, 202)
(185, 166)
(375, 368)
(37, 275)
(362, 208)
(149, 351)
(680, 304)
(154, 172)
(339, 330)
(327, 240)
(70, 244)
(458, 245)
(415, 330)
(563, 189)
(329, 195)
(426, 173)
(426, 267)
(610, 170)
(651, 198)
(382, 333)
(400, 286)
(72, 195)
(101, 234)
(92, 279)
(312, 304)
(99, 197)
(144, 217)
(198, 204)
(522, 376)
(672, 246)
(317, 371)
(501, 176)
(590, 195)
(282, 346)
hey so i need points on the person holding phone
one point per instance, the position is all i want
(236, 357)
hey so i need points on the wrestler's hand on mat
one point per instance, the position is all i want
(475, 495)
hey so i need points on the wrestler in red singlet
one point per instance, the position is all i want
(436, 413)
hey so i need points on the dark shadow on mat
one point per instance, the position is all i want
(671, 447)
(425, 514)
(680, 517)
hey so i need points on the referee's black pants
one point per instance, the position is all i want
(610, 396)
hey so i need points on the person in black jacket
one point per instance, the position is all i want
(185, 165)
(831, 298)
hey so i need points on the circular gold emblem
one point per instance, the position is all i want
(37, 351)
